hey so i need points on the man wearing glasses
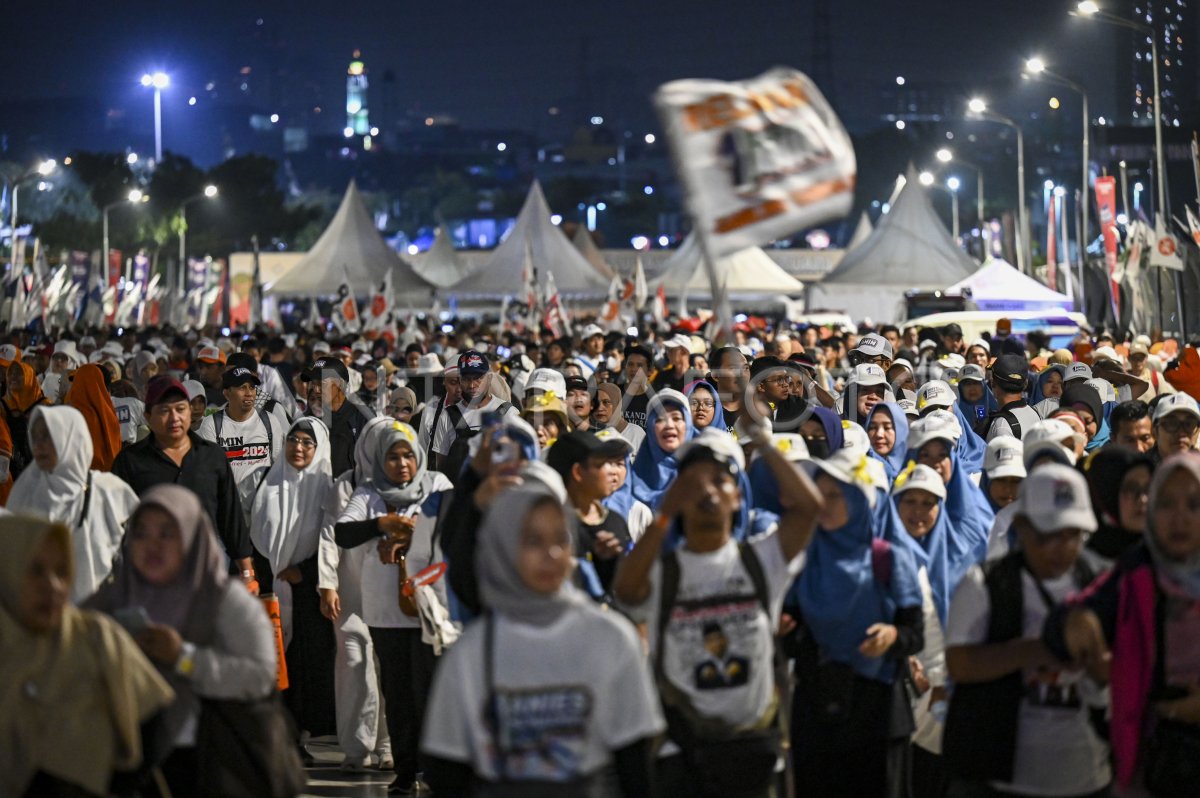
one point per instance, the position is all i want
(872, 349)
(772, 381)
(1176, 424)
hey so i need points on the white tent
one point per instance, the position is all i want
(999, 286)
(551, 252)
(751, 272)
(862, 231)
(352, 247)
(910, 249)
(587, 248)
(441, 265)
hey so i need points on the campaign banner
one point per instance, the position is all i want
(1106, 202)
(114, 267)
(81, 272)
(759, 159)
(141, 271)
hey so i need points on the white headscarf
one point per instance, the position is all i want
(59, 495)
(285, 523)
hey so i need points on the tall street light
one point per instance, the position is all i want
(41, 170)
(946, 156)
(209, 192)
(1035, 69)
(979, 110)
(158, 81)
(1091, 10)
(134, 197)
(952, 185)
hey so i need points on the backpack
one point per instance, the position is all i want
(727, 760)
(460, 449)
(264, 415)
(985, 425)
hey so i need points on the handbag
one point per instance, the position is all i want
(1173, 760)
(247, 748)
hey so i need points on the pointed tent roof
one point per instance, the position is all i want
(910, 248)
(586, 246)
(862, 231)
(350, 242)
(752, 272)
(552, 251)
(441, 265)
(999, 286)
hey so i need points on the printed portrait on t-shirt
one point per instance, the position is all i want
(541, 734)
(722, 668)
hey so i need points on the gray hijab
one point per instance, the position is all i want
(499, 541)
(398, 495)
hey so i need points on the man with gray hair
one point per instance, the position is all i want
(326, 379)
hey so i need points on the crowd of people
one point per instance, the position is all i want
(810, 561)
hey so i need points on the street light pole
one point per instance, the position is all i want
(980, 110)
(158, 81)
(135, 196)
(208, 193)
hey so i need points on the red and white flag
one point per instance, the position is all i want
(660, 311)
(345, 308)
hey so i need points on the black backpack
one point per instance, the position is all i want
(460, 449)
(985, 424)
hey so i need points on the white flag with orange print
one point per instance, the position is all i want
(345, 308)
(1193, 224)
(1166, 249)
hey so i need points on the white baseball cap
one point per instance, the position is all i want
(935, 393)
(1104, 388)
(845, 466)
(792, 446)
(909, 407)
(982, 343)
(678, 341)
(1176, 403)
(610, 435)
(868, 374)
(590, 330)
(1052, 435)
(920, 477)
(1077, 371)
(1105, 353)
(938, 425)
(1056, 498)
(548, 381)
(717, 441)
(854, 438)
(194, 388)
(1004, 457)
(874, 346)
(971, 372)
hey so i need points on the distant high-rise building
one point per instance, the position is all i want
(356, 97)
(1173, 24)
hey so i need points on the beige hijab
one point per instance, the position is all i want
(71, 700)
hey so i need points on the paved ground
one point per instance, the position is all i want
(326, 779)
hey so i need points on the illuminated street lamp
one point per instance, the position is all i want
(928, 180)
(210, 191)
(946, 156)
(158, 81)
(979, 109)
(1035, 69)
(134, 197)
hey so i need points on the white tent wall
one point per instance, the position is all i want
(442, 265)
(997, 285)
(586, 247)
(751, 272)
(909, 249)
(350, 248)
(552, 252)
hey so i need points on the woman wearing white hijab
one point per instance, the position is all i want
(561, 686)
(398, 510)
(361, 722)
(286, 522)
(60, 486)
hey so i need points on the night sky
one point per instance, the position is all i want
(502, 64)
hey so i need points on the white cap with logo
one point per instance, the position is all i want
(1004, 457)
(920, 477)
(935, 393)
(1056, 498)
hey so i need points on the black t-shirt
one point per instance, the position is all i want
(731, 419)
(668, 378)
(614, 524)
(635, 409)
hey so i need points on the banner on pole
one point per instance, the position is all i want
(759, 159)
(1106, 203)
(1052, 245)
(1166, 249)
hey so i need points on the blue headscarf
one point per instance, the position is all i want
(654, 469)
(1038, 393)
(970, 509)
(718, 421)
(840, 596)
(622, 498)
(893, 461)
(975, 412)
(970, 447)
(945, 561)
(832, 423)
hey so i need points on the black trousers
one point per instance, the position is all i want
(406, 675)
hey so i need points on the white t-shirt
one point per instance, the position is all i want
(246, 449)
(381, 583)
(567, 696)
(718, 641)
(443, 436)
(933, 660)
(131, 414)
(1057, 752)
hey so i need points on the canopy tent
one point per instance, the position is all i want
(910, 249)
(586, 247)
(751, 272)
(998, 286)
(534, 235)
(441, 265)
(862, 231)
(350, 250)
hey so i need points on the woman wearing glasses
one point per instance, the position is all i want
(705, 406)
(286, 527)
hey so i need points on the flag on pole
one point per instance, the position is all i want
(1193, 224)
(1166, 250)
(1136, 238)
(611, 313)
(554, 317)
(659, 311)
(314, 314)
(345, 310)
(1106, 203)
(1052, 244)
(379, 312)
(640, 293)
(529, 288)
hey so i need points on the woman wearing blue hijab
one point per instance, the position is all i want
(822, 432)
(668, 426)
(932, 441)
(975, 397)
(858, 606)
(706, 407)
(887, 429)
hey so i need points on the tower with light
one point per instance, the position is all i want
(357, 122)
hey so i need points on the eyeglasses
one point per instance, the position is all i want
(702, 404)
(303, 443)
(1173, 426)
(781, 379)
(399, 409)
